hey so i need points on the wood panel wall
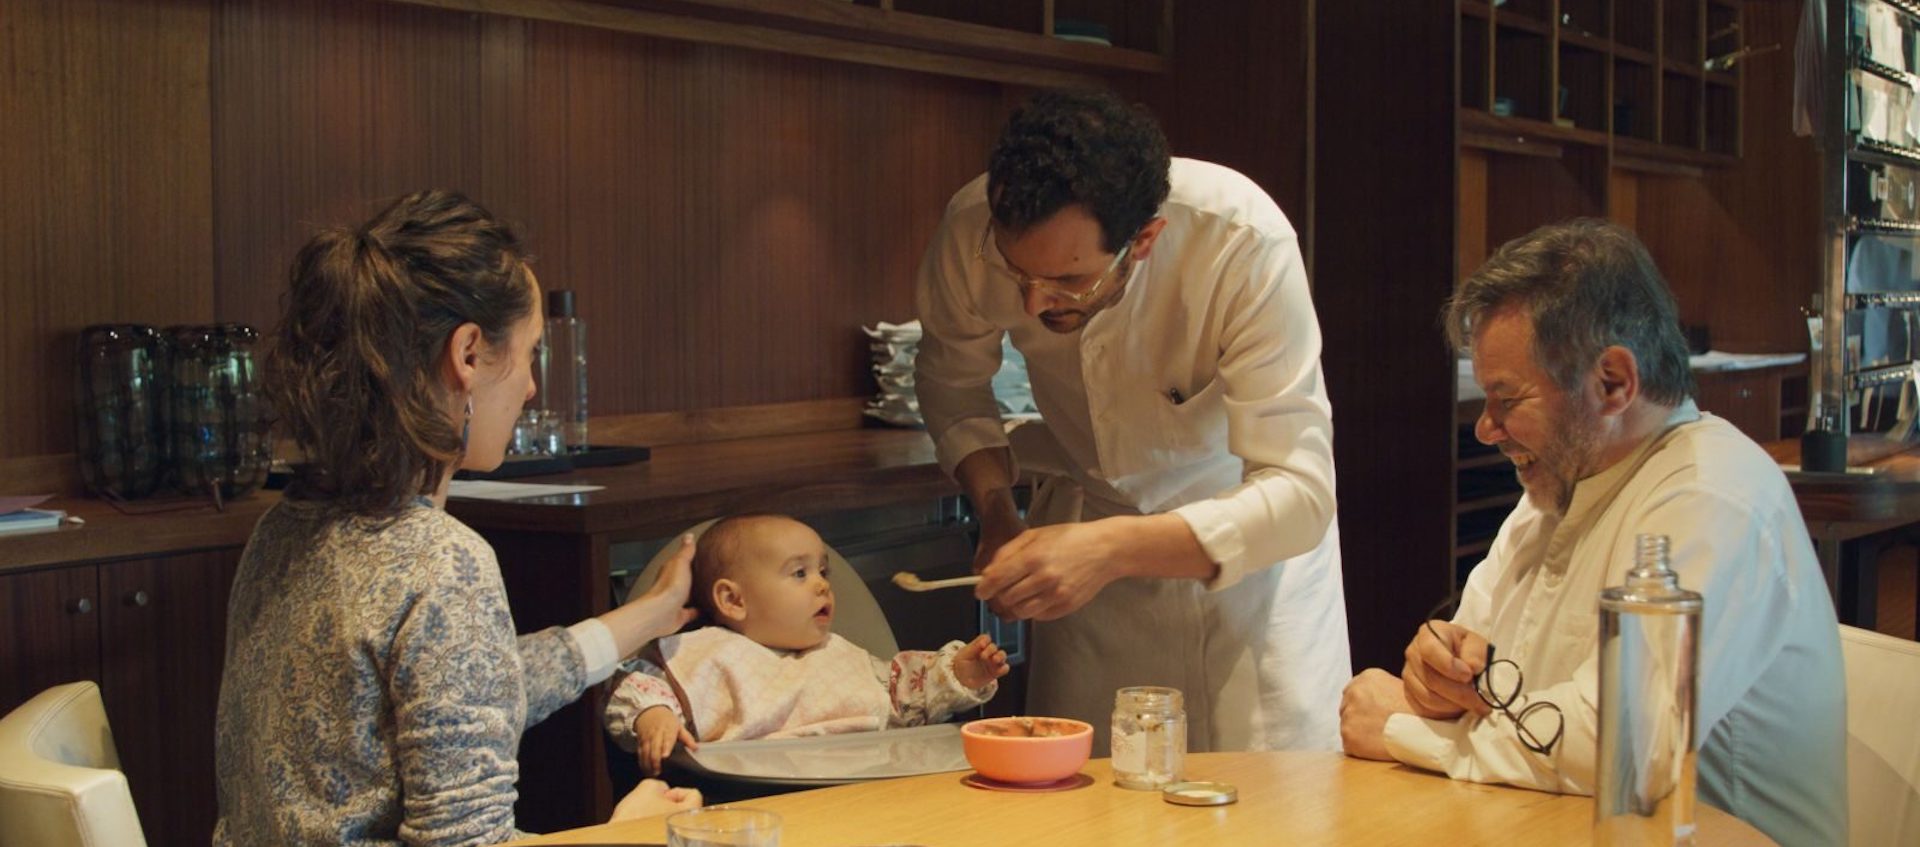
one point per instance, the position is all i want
(1386, 236)
(728, 218)
(1241, 95)
(1741, 246)
(105, 190)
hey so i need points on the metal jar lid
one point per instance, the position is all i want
(1200, 793)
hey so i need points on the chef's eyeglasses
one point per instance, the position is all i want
(1051, 288)
(1538, 724)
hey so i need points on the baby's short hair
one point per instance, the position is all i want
(717, 553)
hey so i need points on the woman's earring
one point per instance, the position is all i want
(466, 425)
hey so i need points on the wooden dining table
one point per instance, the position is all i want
(1284, 798)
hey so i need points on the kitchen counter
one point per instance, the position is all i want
(687, 483)
(680, 485)
(1854, 516)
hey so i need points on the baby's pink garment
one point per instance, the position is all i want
(740, 689)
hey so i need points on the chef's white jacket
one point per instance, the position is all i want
(1198, 393)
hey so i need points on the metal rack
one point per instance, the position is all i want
(1864, 380)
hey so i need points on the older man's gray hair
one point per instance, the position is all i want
(1587, 284)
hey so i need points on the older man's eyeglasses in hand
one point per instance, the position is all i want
(1501, 685)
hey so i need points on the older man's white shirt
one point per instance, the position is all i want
(1771, 718)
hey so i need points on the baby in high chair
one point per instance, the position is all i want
(772, 667)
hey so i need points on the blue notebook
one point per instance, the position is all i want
(28, 519)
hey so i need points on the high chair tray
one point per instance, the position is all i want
(832, 759)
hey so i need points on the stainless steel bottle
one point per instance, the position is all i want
(1649, 659)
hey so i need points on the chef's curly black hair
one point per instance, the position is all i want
(1088, 147)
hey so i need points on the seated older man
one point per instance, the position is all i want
(1575, 339)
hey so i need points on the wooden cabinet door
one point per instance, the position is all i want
(163, 627)
(49, 631)
(1748, 400)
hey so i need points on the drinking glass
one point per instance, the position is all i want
(724, 826)
(527, 439)
(550, 435)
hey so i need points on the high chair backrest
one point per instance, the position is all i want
(60, 779)
(1883, 737)
(856, 616)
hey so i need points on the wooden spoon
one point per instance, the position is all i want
(913, 582)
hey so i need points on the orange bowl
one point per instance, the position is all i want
(1009, 750)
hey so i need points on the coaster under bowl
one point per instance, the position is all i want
(975, 780)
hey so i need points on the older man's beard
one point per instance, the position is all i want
(1568, 457)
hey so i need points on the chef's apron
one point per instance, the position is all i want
(1256, 674)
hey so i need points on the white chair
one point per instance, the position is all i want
(60, 783)
(1883, 737)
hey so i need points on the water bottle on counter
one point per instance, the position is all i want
(1649, 685)
(563, 369)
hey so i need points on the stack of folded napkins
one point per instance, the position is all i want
(894, 347)
(1010, 385)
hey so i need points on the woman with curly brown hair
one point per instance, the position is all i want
(374, 690)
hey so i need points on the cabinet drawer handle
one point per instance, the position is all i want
(137, 598)
(80, 606)
(1744, 393)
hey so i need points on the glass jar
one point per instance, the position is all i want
(217, 422)
(118, 436)
(1149, 736)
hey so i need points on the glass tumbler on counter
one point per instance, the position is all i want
(216, 420)
(119, 439)
(1149, 736)
(537, 433)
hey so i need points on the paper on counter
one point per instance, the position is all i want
(1714, 360)
(486, 489)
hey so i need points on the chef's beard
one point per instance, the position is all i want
(1066, 321)
(1063, 321)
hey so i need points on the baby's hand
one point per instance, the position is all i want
(979, 663)
(655, 731)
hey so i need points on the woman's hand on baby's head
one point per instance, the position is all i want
(980, 662)
(671, 588)
(661, 611)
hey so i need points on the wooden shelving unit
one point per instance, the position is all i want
(1560, 101)
(1579, 64)
(999, 42)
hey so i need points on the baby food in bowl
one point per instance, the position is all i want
(1027, 749)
